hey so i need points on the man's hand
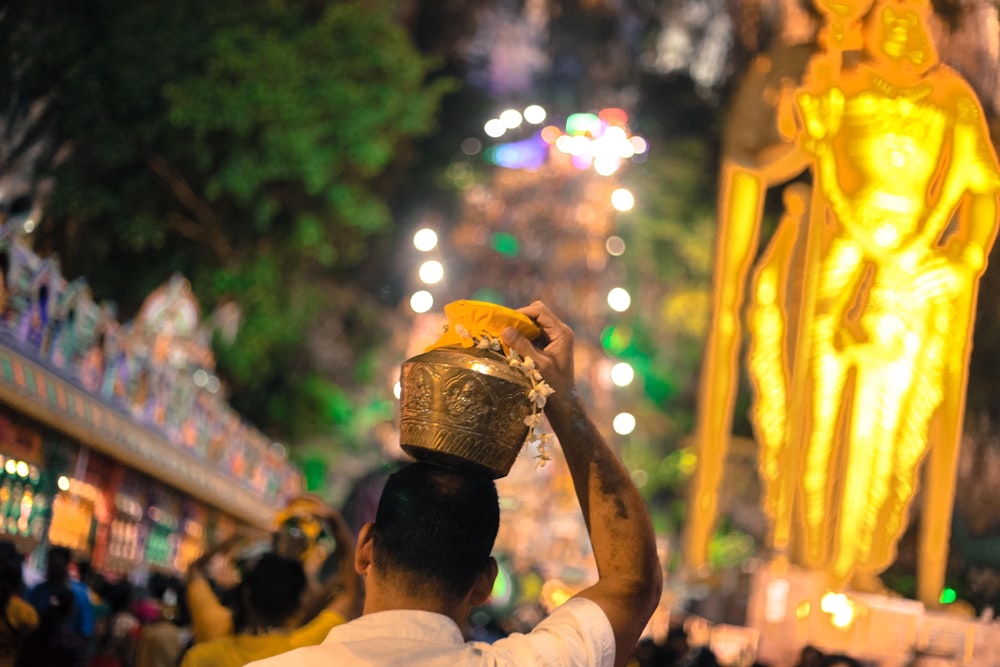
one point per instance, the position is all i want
(554, 359)
(629, 584)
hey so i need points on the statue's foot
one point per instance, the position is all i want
(867, 582)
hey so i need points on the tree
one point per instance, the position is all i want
(244, 143)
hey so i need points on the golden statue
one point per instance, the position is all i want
(862, 308)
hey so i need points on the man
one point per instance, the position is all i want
(426, 557)
(57, 578)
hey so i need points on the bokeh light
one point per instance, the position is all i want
(619, 299)
(615, 246)
(494, 127)
(534, 114)
(511, 118)
(624, 423)
(622, 199)
(425, 239)
(63, 483)
(622, 374)
(421, 301)
(471, 146)
(431, 272)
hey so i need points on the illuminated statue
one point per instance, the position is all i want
(864, 368)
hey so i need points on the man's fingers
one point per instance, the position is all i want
(516, 341)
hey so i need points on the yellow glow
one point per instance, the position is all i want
(803, 610)
(10, 466)
(63, 483)
(860, 310)
(22, 469)
(840, 608)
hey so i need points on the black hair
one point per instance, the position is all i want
(57, 566)
(435, 528)
(273, 588)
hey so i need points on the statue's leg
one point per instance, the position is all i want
(767, 361)
(838, 275)
(741, 202)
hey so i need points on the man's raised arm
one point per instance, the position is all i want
(629, 580)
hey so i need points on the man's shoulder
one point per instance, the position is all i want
(577, 632)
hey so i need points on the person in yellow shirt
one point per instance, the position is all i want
(270, 607)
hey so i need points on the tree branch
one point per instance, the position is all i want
(204, 226)
(210, 237)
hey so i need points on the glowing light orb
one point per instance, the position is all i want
(619, 299)
(623, 200)
(624, 423)
(605, 164)
(534, 114)
(397, 389)
(622, 374)
(425, 239)
(494, 127)
(615, 245)
(63, 483)
(511, 118)
(421, 301)
(431, 272)
(22, 469)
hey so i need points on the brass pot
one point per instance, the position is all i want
(465, 408)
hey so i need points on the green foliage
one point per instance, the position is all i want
(242, 142)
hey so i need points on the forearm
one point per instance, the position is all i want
(621, 533)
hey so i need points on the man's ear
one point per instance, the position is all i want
(363, 557)
(483, 587)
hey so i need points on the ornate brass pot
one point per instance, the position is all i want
(465, 408)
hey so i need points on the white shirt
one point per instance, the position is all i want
(577, 633)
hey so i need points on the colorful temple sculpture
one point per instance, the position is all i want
(860, 311)
(116, 438)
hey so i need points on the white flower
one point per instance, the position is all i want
(540, 393)
(537, 395)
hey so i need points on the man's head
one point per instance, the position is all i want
(434, 530)
(57, 566)
(271, 590)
